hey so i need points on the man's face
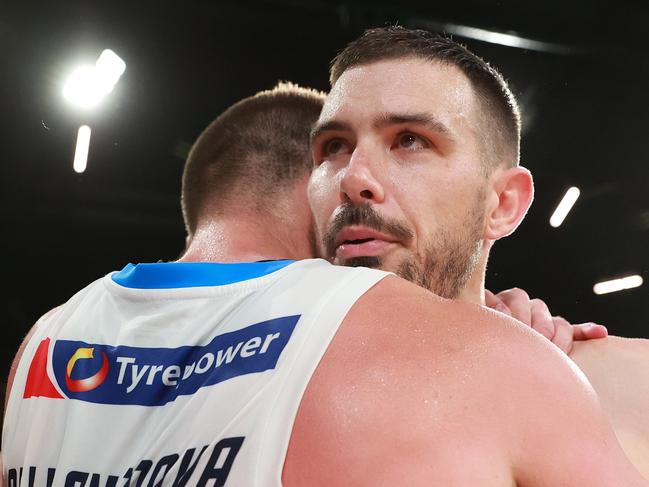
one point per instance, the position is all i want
(398, 182)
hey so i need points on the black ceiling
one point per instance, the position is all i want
(586, 113)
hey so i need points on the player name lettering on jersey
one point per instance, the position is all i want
(214, 471)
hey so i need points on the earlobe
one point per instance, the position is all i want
(513, 191)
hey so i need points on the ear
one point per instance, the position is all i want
(512, 194)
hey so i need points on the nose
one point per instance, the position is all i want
(360, 183)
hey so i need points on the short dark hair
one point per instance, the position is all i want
(502, 116)
(255, 149)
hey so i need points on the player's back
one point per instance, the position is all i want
(174, 374)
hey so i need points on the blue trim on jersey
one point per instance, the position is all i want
(169, 275)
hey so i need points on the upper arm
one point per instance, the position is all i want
(19, 354)
(412, 386)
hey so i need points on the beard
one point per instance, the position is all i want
(447, 263)
(449, 257)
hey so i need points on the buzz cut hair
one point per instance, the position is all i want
(251, 153)
(499, 119)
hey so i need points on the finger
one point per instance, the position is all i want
(542, 321)
(589, 331)
(563, 334)
(490, 299)
(494, 302)
(518, 302)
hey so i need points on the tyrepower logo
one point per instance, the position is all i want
(153, 376)
(89, 383)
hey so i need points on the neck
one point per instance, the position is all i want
(246, 239)
(473, 291)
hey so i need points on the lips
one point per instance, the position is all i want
(356, 241)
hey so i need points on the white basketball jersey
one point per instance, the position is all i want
(174, 374)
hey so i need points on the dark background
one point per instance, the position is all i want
(584, 99)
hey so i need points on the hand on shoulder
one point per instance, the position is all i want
(535, 313)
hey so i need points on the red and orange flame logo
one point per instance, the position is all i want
(90, 383)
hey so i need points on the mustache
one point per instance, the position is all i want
(367, 216)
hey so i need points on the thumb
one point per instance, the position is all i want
(494, 302)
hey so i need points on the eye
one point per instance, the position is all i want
(333, 147)
(410, 141)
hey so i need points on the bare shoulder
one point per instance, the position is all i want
(411, 377)
(396, 301)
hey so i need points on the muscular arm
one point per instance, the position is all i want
(618, 369)
(418, 391)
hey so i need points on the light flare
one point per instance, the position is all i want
(564, 206)
(615, 285)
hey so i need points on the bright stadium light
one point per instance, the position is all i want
(81, 88)
(564, 206)
(81, 151)
(87, 85)
(109, 68)
(615, 285)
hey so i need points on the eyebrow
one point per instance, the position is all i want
(427, 120)
(329, 126)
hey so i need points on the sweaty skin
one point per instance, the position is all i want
(415, 390)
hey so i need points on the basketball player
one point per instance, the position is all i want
(203, 371)
(416, 154)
